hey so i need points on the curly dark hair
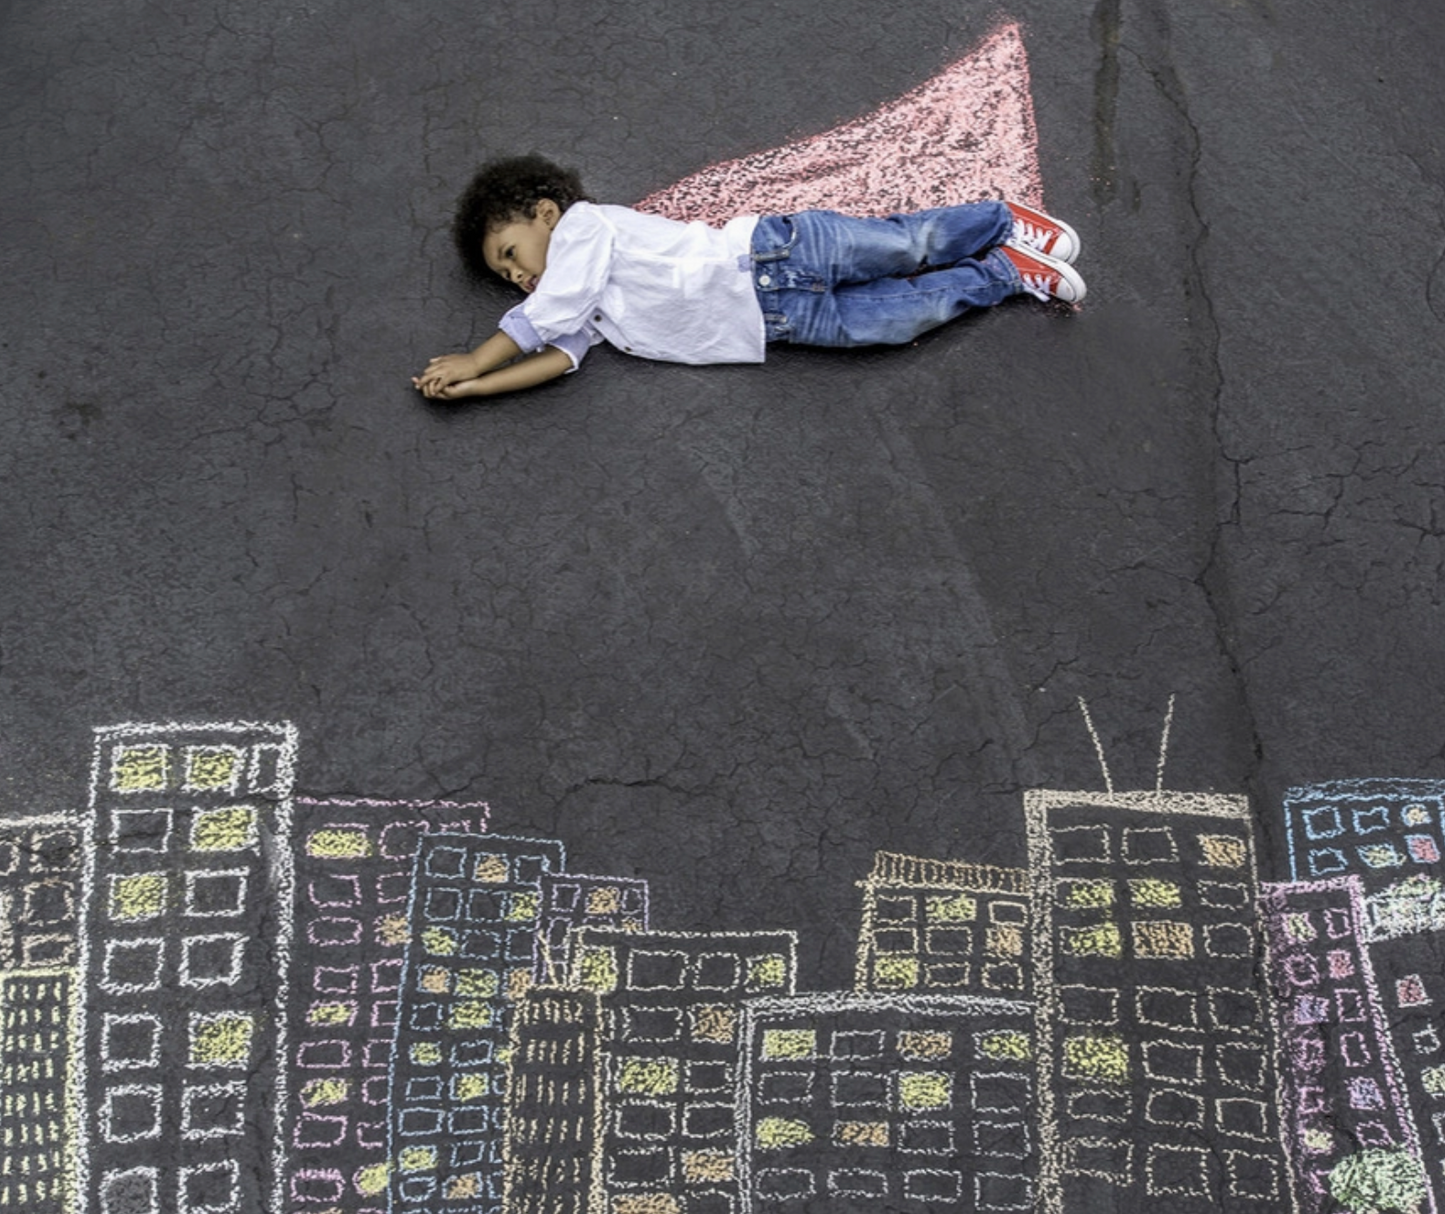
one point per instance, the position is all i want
(506, 189)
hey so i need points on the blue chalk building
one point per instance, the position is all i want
(470, 956)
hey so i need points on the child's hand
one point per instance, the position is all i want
(444, 371)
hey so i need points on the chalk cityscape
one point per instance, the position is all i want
(220, 996)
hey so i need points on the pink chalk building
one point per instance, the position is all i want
(1340, 1087)
(353, 866)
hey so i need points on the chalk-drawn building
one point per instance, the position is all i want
(573, 900)
(470, 956)
(1390, 835)
(1379, 830)
(1155, 1053)
(185, 907)
(1404, 926)
(936, 926)
(862, 1102)
(354, 862)
(553, 1134)
(671, 1005)
(36, 1111)
(39, 884)
(1340, 1091)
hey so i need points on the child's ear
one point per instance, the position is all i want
(548, 212)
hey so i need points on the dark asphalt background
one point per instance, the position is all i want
(728, 629)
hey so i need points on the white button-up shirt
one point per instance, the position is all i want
(654, 287)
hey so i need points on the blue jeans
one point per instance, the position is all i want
(825, 279)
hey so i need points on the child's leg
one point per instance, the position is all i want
(891, 311)
(836, 248)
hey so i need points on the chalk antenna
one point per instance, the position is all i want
(1164, 744)
(1098, 746)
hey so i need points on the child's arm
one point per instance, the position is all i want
(490, 369)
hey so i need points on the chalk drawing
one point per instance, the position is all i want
(1381, 830)
(1387, 835)
(469, 958)
(936, 925)
(37, 1101)
(968, 133)
(39, 880)
(1147, 1000)
(353, 864)
(666, 1060)
(217, 997)
(873, 1101)
(1339, 1076)
(552, 1119)
(575, 900)
(39, 874)
(1098, 744)
(184, 818)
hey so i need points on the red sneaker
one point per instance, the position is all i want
(1043, 233)
(1045, 277)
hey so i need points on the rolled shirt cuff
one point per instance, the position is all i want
(516, 326)
(573, 345)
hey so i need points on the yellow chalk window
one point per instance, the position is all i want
(1088, 895)
(1152, 892)
(230, 829)
(775, 1133)
(1100, 940)
(597, 970)
(212, 768)
(789, 1043)
(1096, 1057)
(648, 1076)
(137, 896)
(956, 908)
(221, 1040)
(895, 973)
(918, 1090)
(139, 768)
(338, 843)
(767, 972)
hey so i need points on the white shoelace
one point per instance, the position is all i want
(1031, 234)
(1037, 285)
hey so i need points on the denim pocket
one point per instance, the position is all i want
(773, 238)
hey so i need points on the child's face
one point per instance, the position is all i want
(517, 250)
